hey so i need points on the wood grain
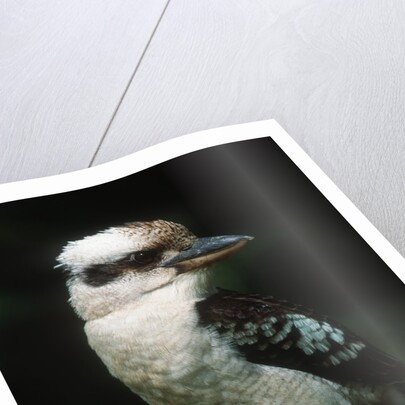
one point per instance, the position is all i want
(63, 67)
(330, 72)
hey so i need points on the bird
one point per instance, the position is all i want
(159, 324)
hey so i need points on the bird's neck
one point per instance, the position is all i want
(155, 343)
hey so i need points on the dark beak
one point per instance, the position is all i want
(205, 251)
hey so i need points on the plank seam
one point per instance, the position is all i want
(128, 85)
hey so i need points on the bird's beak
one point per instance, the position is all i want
(205, 251)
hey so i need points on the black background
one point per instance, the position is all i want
(303, 251)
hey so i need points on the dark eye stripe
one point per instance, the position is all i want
(102, 274)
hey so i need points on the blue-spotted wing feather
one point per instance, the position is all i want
(272, 332)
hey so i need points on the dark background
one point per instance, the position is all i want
(303, 251)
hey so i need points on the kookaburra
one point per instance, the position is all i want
(158, 323)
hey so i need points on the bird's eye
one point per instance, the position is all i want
(143, 257)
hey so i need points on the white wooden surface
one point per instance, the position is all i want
(64, 66)
(330, 72)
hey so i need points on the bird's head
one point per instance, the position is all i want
(127, 263)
